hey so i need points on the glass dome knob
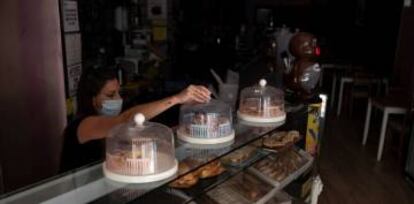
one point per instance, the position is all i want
(139, 119)
(262, 82)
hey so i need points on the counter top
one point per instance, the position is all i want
(88, 184)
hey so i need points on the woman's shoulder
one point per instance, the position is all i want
(75, 154)
(74, 124)
(77, 120)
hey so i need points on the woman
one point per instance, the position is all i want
(99, 110)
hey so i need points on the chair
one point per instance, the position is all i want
(403, 128)
(398, 127)
(364, 85)
(393, 104)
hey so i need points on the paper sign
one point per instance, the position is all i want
(73, 48)
(313, 129)
(407, 3)
(159, 33)
(73, 73)
(70, 16)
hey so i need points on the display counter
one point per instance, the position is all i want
(88, 184)
(248, 171)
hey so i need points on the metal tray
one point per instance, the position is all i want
(226, 194)
(291, 177)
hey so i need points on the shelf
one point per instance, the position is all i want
(203, 185)
(308, 160)
(197, 193)
(202, 154)
(88, 184)
(244, 188)
(276, 186)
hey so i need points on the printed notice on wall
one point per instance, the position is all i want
(70, 16)
(73, 48)
(74, 73)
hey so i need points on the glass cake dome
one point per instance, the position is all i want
(208, 123)
(140, 152)
(262, 104)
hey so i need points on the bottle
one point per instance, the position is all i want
(120, 75)
(101, 59)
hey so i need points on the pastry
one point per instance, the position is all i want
(281, 139)
(254, 107)
(185, 181)
(239, 156)
(210, 170)
(279, 167)
(293, 135)
(207, 125)
(129, 163)
(250, 187)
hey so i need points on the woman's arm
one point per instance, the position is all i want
(97, 127)
(198, 94)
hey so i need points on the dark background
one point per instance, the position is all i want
(357, 31)
(365, 32)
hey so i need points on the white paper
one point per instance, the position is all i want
(407, 3)
(70, 16)
(73, 48)
(73, 73)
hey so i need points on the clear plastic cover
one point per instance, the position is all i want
(262, 101)
(210, 120)
(134, 149)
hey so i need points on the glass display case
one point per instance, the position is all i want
(139, 152)
(209, 123)
(262, 104)
(90, 185)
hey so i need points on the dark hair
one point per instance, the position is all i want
(90, 84)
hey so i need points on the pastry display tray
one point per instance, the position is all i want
(257, 154)
(280, 197)
(227, 193)
(291, 177)
(286, 147)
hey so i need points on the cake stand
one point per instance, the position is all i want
(257, 119)
(140, 179)
(190, 139)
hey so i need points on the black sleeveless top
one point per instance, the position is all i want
(75, 154)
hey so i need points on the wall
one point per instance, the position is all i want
(32, 101)
(404, 60)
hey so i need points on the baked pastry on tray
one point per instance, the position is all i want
(239, 156)
(190, 179)
(281, 139)
(280, 166)
(210, 170)
(187, 180)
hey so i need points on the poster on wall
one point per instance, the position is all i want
(73, 48)
(70, 16)
(313, 128)
(74, 73)
(157, 9)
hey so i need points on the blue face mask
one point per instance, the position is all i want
(111, 107)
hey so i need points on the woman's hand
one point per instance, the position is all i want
(192, 93)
